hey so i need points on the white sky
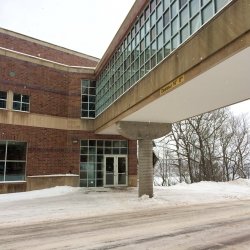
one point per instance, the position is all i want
(87, 26)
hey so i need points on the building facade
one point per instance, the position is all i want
(50, 98)
(44, 141)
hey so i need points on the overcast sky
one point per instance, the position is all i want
(87, 26)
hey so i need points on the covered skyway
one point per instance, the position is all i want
(209, 71)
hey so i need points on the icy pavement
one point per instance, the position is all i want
(70, 203)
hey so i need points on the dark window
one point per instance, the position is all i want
(12, 160)
(21, 102)
(3, 99)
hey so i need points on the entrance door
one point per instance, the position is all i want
(115, 170)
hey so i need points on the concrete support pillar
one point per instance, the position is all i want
(145, 169)
(144, 132)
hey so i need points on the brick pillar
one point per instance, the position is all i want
(145, 168)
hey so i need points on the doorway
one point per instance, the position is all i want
(115, 170)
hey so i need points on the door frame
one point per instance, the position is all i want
(115, 156)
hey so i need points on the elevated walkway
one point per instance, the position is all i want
(210, 70)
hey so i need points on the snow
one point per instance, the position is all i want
(71, 202)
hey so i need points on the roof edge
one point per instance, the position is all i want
(47, 44)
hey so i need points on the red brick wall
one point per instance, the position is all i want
(52, 92)
(51, 151)
(32, 48)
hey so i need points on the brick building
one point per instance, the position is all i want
(46, 136)
(62, 112)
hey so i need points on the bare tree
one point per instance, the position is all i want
(212, 147)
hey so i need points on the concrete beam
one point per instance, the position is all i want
(143, 130)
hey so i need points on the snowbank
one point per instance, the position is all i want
(68, 202)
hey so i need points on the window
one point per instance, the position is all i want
(3, 99)
(92, 159)
(12, 160)
(88, 99)
(21, 102)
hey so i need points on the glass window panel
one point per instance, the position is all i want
(160, 55)
(91, 183)
(159, 26)
(92, 114)
(167, 49)
(147, 40)
(85, 98)
(153, 47)
(185, 33)
(84, 150)
(84, 142)
(182, 3)
(207, 13)
(17, 97)
(174, 9)
(166, 18)
(83, 183)
(175, 26)
(142, 32)
(194, 7)
(83, 158)
(167, 34)
(195, 24)
(147, 12)
(2, 150)
(204, 2)
(166, 4)
(153, 18)
(16, 151)
(159, 10)
(26, 98)
(16, 105)
(2, 104)
(160, 41)
(124, 151)
(175, 42)
(99, 182)
(147, 54)
(124, 144)
(184, 16)
(153, 61)
(85, 83)
(220, 4)
(15, 171)
(25, 107)
(147, 26)
(153, 33)
(2, 167)
(153, 4)
(147, 66)
(3, 95)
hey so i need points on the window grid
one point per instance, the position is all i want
(161, 27)
(92, 159)
(88, 98)
(3, 99)
(21, 102)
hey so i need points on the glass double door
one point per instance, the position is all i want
(115, 170)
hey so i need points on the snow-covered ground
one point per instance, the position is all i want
(70, 203)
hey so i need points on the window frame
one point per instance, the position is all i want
(21, 103)
(3, 100)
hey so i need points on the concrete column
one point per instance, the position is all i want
(145, 170)
(144, 132)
